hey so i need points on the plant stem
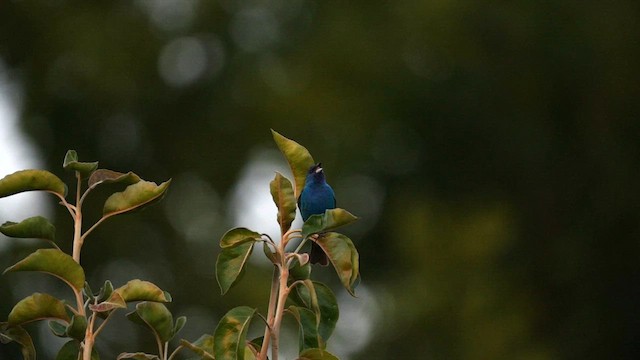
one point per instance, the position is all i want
(283, 292)
(89, 339)
(77, 229)
(270, 313)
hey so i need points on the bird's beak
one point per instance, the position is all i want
(318, 167)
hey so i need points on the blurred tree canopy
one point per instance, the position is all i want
(500, 138)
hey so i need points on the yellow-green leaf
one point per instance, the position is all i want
(36, 227)
(231, 333)
(134, 196)
(330, 220)
(30, 180)
(344, 257)
(37, 307)
(54, 262)
(298, 158)
(140, 290)
(104, 176)
(238, 236)
(285, 200)
(203, 346)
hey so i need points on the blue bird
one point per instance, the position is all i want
(316, 197)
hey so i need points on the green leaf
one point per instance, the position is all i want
(104, 176)
(203, 346)
(344, 257)
(316, 354)
(137, 356)
(231, 333)
(231, 264)
(282, 193)
(37, 307)
(297, 272)
(71, 349)
(330, 220)
(36, 227)
(19, 335)
(238, 236)
(58, 329)
(140, 290)
(156, 316)
(77, 327)
(54, 262)
(298, 158)
(71, 163)
(308, 324)
(326, 304)
(134, 197)
(29, 180)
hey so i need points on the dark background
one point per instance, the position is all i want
(490, 147)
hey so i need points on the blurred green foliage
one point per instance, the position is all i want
(501, 139)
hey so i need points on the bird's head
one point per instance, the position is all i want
(316, 173)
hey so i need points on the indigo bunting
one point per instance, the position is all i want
(316, 197)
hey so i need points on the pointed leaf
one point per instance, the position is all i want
(316, 354)
(238, 236)
(344, 257)
(57, 328)
(156, 316)
(270, 254)
(203, 346)
(282, 193)
(134, 197)
(37, 307)
(115, 301)
(327, 305)
(29, 180)
(104, 176)
(137, 356)
(19, 335)
(330, 220)
(231, 264)
(71, 163)
(231, 333)
(139, 290)
(298, 158)
(180, 322)
(71, 349)
(105, 291)
(308, 325)
(35, 227)
(54, 262)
